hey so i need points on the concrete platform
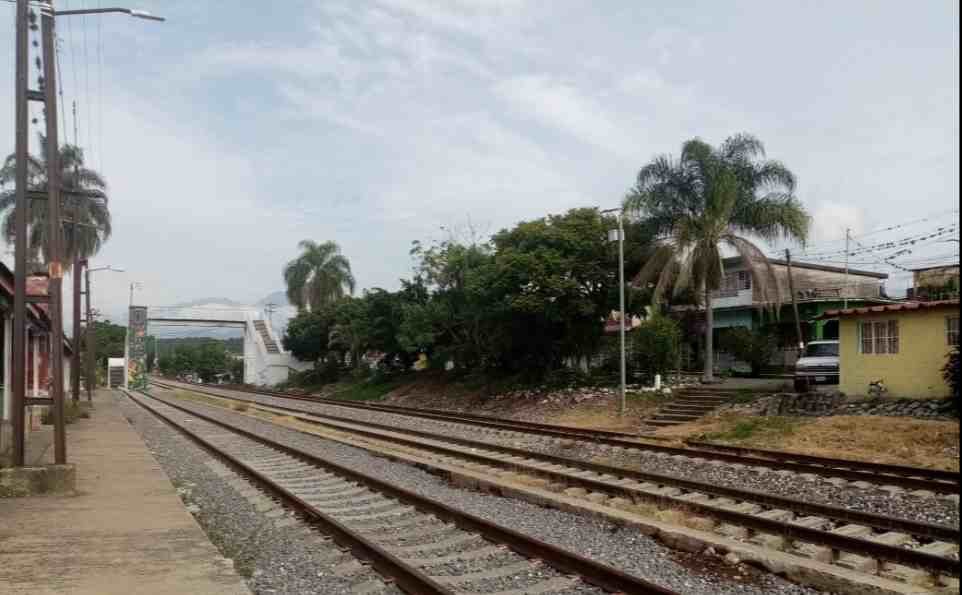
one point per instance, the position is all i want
(124, 531)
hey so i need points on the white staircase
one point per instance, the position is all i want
(265, 362)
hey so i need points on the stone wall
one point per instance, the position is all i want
(834, 403)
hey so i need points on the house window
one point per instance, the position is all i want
(952, 330)
(738, 281)
(879, 338)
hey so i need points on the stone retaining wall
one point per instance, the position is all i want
(834, 403)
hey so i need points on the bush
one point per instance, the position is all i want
(655, 346)
(951, 374)
(755, 347)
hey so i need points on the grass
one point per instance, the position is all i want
(71, 413)
(757, 429)
(743, 395)
(897, 440)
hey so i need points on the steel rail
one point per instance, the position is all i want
(388, 565)
(780, 455)
(854, 545)
(599, 575)
(770, 500)
(918, 480)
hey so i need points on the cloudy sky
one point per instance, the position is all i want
(231, 132)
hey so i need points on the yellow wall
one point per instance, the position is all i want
(915, 371)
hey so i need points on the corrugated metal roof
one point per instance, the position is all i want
(900, 307)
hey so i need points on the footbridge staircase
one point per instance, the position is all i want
(266, 363)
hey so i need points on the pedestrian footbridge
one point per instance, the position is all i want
(266, 363)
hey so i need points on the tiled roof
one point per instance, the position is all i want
(900, 307)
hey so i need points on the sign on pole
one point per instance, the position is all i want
(137, 350)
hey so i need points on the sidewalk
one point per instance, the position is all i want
(125, 531)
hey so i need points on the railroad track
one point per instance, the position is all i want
(919, 479)
(377, 521)
(894, 548)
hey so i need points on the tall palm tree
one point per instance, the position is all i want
(320, 275)
(710, 198)
(83, 196)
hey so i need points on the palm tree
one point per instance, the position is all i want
(709, 198)
(319, 276)
(83, 199)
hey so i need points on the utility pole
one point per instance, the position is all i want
(269, 309)
(791, 288)
(55, 234)
(621, 301)
(18, 377)
(848, 240)
(90, 337)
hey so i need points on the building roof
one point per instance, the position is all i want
(899, 307)
(941, 266)
(814, 267)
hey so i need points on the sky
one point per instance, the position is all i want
(231, 132)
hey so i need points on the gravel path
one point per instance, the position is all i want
(625, 548)
(818, 489)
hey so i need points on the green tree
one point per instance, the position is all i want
(320, 275)
(655, 346)
(708, 198)
(83, 201)
(755, 347)
(556, 275)
(307, 335)
(109, 341)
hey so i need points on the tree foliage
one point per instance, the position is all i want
(709, 198)
(753, 346)
(205, 359)
(89, 209)
(655, 346)
(320, 276)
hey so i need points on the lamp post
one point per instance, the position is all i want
(90, 335)
(619, 236)
(52, 194)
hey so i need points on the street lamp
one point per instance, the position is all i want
(619, 236)
(90, 330)
(137, 14)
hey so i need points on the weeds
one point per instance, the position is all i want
(757, 428)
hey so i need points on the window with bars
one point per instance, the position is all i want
(879, 337)
(737, 281)
(952, 330)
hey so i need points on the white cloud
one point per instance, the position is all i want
(831, 219)
(563, 106)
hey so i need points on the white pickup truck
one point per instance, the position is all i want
(818, 365)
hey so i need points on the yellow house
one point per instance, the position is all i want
(905, 345)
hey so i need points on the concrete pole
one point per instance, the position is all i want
(36, 364)
(7, 365)
(621, 299)
(54, 235)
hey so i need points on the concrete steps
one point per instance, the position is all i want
(269, 343)
(688, 406)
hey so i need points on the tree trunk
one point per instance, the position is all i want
(709, 323)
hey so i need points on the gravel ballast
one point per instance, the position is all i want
(816, 489)
(625, 548)
(278, 555)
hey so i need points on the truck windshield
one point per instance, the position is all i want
(822, 350)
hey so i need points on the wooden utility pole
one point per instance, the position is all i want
(791, 288)
(78, 265)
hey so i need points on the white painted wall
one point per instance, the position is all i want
(260, 367)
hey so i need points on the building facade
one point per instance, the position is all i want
(37, 357)
(905, 345)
